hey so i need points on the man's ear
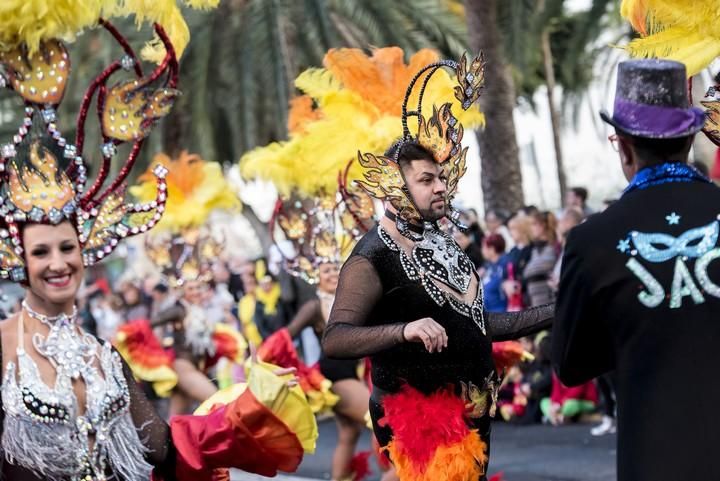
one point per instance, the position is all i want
(627, 156)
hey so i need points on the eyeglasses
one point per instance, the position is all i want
(614, 142)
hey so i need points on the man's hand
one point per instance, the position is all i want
(428, 332)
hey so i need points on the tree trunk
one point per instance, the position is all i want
(554, 114)
(501, 178)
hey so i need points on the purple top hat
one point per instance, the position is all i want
(651, 101)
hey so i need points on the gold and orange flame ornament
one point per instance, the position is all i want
(440, 134)
(184, 246)
(321, 230)
(43, 175)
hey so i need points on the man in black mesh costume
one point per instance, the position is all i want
(410, 299)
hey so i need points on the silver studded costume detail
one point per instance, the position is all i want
(43, 428)
(437, 256)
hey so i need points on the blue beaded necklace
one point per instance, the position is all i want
(663, 174)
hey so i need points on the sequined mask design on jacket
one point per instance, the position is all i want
(696, 245)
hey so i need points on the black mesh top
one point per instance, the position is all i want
(374, 301)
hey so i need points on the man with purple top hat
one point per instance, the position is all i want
(640, 286)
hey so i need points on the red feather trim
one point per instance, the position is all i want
(360, 466)
(506, 354)
(421, 424)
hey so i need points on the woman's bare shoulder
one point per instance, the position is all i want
(8, 327)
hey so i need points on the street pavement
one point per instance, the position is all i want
(521, 453)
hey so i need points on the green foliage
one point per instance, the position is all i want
(573, 38)
(238, 71)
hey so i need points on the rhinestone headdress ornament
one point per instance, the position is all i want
(184, 246)
(185, 256)
(34, 188)
(322, 229)
(440, 134)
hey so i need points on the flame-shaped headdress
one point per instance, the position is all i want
(34, 185)
(322, 229)
(440, 134)
(184, 246)
(185, 256)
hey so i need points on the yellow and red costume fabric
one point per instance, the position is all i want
(262, 426)
(229, 344)
(278, 349)
(151, 362)
(147, 359)
(243, 434)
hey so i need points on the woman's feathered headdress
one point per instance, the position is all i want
(321, 230)
(35, 186)
(183, 246)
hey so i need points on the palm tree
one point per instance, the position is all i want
(499, 154)
(237, 72)
(528, 44)
(239, 67)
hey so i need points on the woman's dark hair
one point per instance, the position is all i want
(495, 242)
(549, 222)
(581, 192)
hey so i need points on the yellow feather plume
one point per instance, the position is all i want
(31, 21)
(688, 32)
(195, 188)
(358, 100)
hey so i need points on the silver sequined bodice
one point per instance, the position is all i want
(45, 432)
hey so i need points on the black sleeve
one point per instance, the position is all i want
(153, 431)
(347, 335)
(582, 347)
(308, 314)
(171, 314)
(505, 326)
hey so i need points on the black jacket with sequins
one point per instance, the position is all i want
(640, 293)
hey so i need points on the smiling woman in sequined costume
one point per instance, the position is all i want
(71, 409)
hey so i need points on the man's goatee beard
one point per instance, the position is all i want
(432, 215)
